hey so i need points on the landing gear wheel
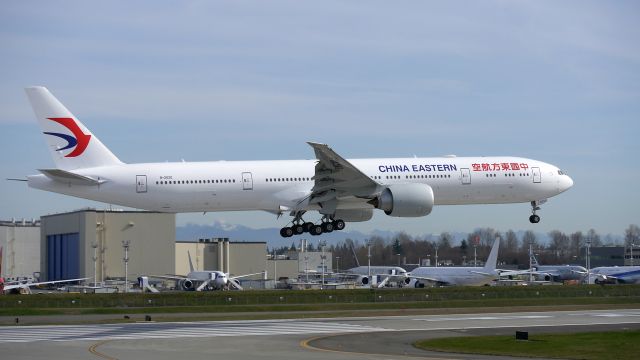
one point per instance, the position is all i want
(338, 225)
(286, 232)
(297, 229)
(534, 219)
(308, 226)
(327, 227)
(315, 230)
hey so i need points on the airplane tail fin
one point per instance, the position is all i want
(534, 261)
(72, 145)
(492, 260)
(190, 263)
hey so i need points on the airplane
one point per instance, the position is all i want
(460, 275)
(615, 275)
(17, 287)
(380, 275)
(549, 273)
(340, 190)
(202, 280)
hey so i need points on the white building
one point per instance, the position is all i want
(20, 244)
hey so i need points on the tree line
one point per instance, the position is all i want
(561, 248)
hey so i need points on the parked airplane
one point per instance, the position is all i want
(340, 190)
(461, 275)
(16, 287)
(203, 280)
(549, 273)
(377, 275)
(615, 275)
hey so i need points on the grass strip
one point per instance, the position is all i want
(615, 345)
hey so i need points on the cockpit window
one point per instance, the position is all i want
(560, 172)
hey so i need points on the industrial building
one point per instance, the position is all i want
(92, 243)
(88, 243)
(299, 261)
(20, 244)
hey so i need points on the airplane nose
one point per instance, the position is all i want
(567, 183)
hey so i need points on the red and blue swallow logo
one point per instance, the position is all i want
(80, 140)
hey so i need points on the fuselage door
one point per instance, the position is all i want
(141, 183)
(465, 176)
(247, 181)
(536, 174)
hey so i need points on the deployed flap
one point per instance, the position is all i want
(68, 177)
(335, 177)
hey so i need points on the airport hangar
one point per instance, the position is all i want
(76, 244)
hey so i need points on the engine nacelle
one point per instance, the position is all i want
(406, 200)
(364, 280)
(415, 283)
(186, 284)
(354, 215)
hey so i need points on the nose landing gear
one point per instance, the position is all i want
(535, 206)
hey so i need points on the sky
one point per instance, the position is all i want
(251, 80)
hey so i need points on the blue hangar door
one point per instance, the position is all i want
(63, 256)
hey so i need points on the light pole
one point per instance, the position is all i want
(436, 255)
(530, 262)
(275, 266)
(588, 253)
(306, 267)
(323, 257)
(369, 262)
(474, 256)
(94, 245)
(125, 245)
(337, 264)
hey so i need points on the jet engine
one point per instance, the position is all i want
(413, 283)
(405, 200)
(186, 284)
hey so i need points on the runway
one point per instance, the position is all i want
(352, 338)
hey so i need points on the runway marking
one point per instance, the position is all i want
(92, 349)
(487, 318)
(305, 344)
(174, 330)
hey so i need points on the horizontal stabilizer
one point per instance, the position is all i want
(68, 177)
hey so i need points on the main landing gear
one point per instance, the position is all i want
(299, 226)
(534, 219)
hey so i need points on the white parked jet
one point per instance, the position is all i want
(340, 190)
(461, 275)
(548, 273)
(203, 280)
(377, 275)
(615, 275)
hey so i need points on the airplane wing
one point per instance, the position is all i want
(29, 285)
(170, 277)
(245, 275)
(236, 284)
(426, 279)
(384, 282)
(336, 177)
(526, 272)
(203, 285)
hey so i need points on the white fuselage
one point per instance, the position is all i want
(615, 274)
(286, 184)
(462, 276)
